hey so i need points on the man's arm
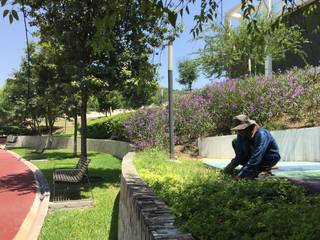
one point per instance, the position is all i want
(260, 146)
(237, 159)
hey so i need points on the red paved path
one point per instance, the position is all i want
(17, 192)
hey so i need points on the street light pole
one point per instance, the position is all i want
(170, 96)
(268, 59)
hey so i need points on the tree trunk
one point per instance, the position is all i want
(190, 87)
(75, 143)
(51, 125)
(34, 128)
(47, 125)
(84, 101)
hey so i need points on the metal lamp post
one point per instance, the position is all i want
(170, 96)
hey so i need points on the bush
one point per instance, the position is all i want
(293, 95)
(148, 128)
(108, 127)
(191, 117)
(14, 130)
(211, 205)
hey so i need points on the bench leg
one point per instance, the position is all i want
(54, 191)
(90, 188)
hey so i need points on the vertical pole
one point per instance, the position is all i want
(65, 124)
(161, 94)
(269, 7)
(268, 59)
(28, 57)
(170, 95)
(249, 66)
(268, 67)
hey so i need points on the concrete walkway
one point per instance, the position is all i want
(18, 191)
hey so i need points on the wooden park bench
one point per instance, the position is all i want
(11, 139)
(77, 175)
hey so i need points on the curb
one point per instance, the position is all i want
(32, 224)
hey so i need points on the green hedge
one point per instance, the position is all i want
(211, 205)
(108, 127)
(6, 130)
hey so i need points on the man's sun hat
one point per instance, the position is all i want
(242, 122)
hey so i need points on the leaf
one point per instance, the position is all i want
(3, 2)
(5, 12)
(187, 10)
(172, 18)
(15, 14)
(10, 18)
(160, 4)
(181, 12)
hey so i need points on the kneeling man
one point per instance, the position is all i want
(256, 149)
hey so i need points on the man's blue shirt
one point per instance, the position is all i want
(261, 145)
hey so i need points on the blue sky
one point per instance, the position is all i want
(12, 45)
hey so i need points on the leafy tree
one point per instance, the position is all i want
(4, 113)
(188, 72)
(21, 98)
(208, 11)
(105, 47)
(38, 95)
(93, 103)
(110, 101)
(227, 52)
(49, 87)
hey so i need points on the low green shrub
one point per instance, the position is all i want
(272, 126)
(108, 127)
(210, 205)
(14, 130)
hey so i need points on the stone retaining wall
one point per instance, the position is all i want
(115, 148)
(141, 214)
(295, 145)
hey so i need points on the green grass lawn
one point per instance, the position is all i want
(99, 222)
(211, 205)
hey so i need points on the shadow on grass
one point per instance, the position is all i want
(31, 154)
(113, 234)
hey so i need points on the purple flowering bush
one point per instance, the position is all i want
(293, 96)
(192, 118)
(148, 128)
(224, 102)
(302, 94)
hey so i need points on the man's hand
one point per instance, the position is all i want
(229, 169)
(236, 177)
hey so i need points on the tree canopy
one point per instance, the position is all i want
(228, 50)
(188, 72)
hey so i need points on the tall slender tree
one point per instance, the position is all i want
(188, 72)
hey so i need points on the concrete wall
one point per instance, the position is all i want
(295, 145)
(141, 214)
(115, 148)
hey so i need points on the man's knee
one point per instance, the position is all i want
(268, 162)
